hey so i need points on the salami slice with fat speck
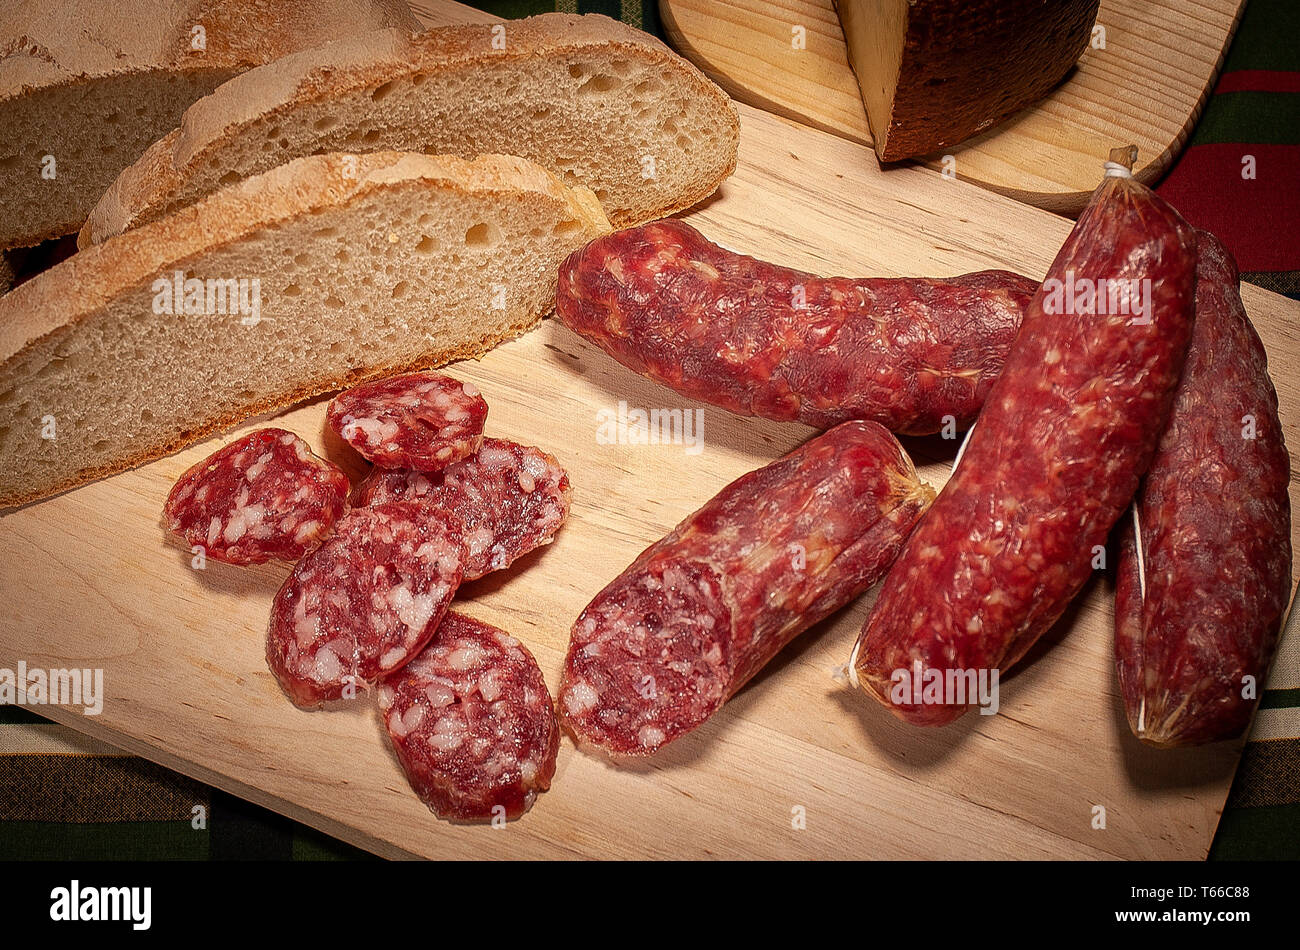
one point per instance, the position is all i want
(511, 498)
(421, 421)
(262, 497)
(1067, 431)
(364, 602)
(472, 723)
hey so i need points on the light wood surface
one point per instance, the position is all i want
(1146, 88)
(90, 580)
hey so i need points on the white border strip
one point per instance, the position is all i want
(51, 739)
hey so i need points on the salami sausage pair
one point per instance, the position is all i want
(1173, 386)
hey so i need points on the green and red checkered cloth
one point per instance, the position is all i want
(1251, 123)
(65, 796)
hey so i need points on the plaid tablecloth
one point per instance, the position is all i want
(66, 796)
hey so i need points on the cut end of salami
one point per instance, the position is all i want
(650, 663)
(420, 421)
(264, 496)
(472, 723)
(667, 642)
(364, 602)
(511, 499)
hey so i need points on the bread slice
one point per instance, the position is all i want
(366, 265)
(94, 83)
(597, 102)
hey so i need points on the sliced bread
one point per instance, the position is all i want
(351, 267)
(597, 102)
(91, 84)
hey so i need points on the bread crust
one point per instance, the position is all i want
(147, 188)
(90, 279)
(431, 360)
(55, 301)
(58, 51)
(48, 44)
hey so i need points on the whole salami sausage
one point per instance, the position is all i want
(764, 340)
(472, 723)
(364, 602)
(263, 496)
(511, 498)
(421, 421)
(1203, 610)
(1068, 430)
(675, 635)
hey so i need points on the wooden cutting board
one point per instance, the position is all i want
(1146, 88)
(89, 580)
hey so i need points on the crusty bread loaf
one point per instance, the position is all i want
(597, 102)
(94, 82)
(365, 265)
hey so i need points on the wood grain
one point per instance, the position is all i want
(89, 579)
(1146, 88)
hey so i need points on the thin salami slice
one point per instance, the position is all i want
(421, 421)
(511, 498)
(364, 602)
(472, 723)
(261, 497)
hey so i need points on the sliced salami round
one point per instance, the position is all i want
(511, 499)
(472, 723)
(364, 602)
(421, 421)
(261, 497)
